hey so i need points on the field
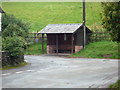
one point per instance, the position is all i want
(39, 14)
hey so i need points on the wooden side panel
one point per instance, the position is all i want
(79, 36)
(61, 40)
(62, 43)
(51, 39)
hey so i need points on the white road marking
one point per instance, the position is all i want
(6, 74)
(25, 60)
(30, 70)
(19, 72)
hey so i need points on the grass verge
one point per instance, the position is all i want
(115, 85)
(35, 49)
(13, 67)
(102, 49)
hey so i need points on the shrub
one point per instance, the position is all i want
(15, 45)
(110, 19)
(12, 26)
(14, 32)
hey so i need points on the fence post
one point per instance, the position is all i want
(99, 36)
(42, 43)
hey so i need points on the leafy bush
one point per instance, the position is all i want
(110, 19)
(14, 32)
(15, 45)
(12, 26)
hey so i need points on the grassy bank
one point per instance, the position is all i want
(35, 49)
(13, 67)
(103, 49)
(115, 85)
(39, 14)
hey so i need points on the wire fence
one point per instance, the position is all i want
(100, 36)
(95, 36)
(35, 38)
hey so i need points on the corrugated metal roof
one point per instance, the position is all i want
(60, 28)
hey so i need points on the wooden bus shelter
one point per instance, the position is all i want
(64, 38)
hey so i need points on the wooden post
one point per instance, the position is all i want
(84, 13)
(34, 37)
(84, 22)
(0, 21)
(42, 43)
(37, 36)
(72, 44)
(56, 43)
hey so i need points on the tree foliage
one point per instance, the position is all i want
(15, 45)
(14, 32)
(11, 26)
(111, 19)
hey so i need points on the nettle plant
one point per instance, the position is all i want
(14, 31)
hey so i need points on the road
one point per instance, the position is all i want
(59, 72)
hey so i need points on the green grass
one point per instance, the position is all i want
(13, 67)
(35, 49)
(115, 85)
(103, 49)
(39, 14)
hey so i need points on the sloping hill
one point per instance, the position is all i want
(39, 14)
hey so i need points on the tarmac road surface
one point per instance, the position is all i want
(59, 72)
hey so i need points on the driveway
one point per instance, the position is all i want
(59, 72)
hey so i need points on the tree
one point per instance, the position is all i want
(11, 26)
(111, 19)
(14, 32)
